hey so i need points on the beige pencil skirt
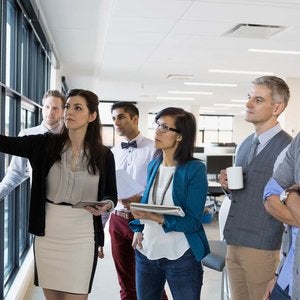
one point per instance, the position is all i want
(65, 258)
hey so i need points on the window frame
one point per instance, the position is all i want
(25, 94)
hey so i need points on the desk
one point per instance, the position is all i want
(214, 191)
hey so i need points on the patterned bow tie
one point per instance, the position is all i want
(129, 144)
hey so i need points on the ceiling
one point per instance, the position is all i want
(126, 49)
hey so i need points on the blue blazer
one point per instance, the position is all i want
(189, 192)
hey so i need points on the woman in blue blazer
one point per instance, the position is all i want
(170, 247)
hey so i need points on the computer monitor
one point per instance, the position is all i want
(216, 163)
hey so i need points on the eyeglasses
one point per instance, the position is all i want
(163, 127)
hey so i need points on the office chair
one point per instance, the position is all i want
(216, 258)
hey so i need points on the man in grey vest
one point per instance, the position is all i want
(282, 201)
(252, 235)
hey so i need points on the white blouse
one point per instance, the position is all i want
(64, 185)
(157, 243)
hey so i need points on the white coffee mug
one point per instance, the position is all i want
(235, 178)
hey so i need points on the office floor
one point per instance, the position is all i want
(106, 285)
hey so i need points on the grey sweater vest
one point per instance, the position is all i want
(248, 224)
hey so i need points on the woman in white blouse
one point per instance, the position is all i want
(67, 168)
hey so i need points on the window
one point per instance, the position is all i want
(8, 205)
(215, 129)
(109, 135)
(23, 60)
(10, 44)
(108, 131)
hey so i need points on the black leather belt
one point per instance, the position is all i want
(60, 203)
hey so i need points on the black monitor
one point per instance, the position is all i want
(216, 163)
(198, 149)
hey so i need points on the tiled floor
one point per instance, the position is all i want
(106, 286)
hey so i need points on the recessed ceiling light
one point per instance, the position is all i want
(174, 98)
(190, 92)
(229, 105)
(207, 111)
(240, 72)
(210, 107)
(180, 76)
(239, 100)
(211, 84)
(207, 107)
(274, 51)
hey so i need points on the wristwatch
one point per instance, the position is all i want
(284, 195)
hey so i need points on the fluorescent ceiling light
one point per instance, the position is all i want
(211, 107)
(180, 76)
(174, 98)
(240, 72)
(211, 84)
(229, 105)
(274, 51)
(207, 111)
(239, 100)
(190, 92)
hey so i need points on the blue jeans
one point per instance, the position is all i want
(279, 294)
(184, 276)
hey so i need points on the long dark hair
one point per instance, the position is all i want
(185, 123)
(94, 151)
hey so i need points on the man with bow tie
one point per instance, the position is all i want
(132, 155)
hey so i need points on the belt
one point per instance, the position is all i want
(124, 214)
(60, 203)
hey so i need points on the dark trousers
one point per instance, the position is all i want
(279, 294)
(184, 276)
(123, 255)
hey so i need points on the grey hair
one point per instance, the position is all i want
(279, 89)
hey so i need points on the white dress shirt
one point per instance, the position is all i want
(19, 168)
(134, 160)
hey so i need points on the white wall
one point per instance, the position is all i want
(291, 116)
(241, 128)
(55, 79)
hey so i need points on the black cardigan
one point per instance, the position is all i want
(36, 149)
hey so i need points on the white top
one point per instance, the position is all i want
(157, 243)
(19, 168)
(134, 160)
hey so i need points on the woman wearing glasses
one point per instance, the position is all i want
(169, 247)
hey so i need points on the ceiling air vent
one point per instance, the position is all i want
(255, 31)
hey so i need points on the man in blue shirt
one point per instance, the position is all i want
(282, 201)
